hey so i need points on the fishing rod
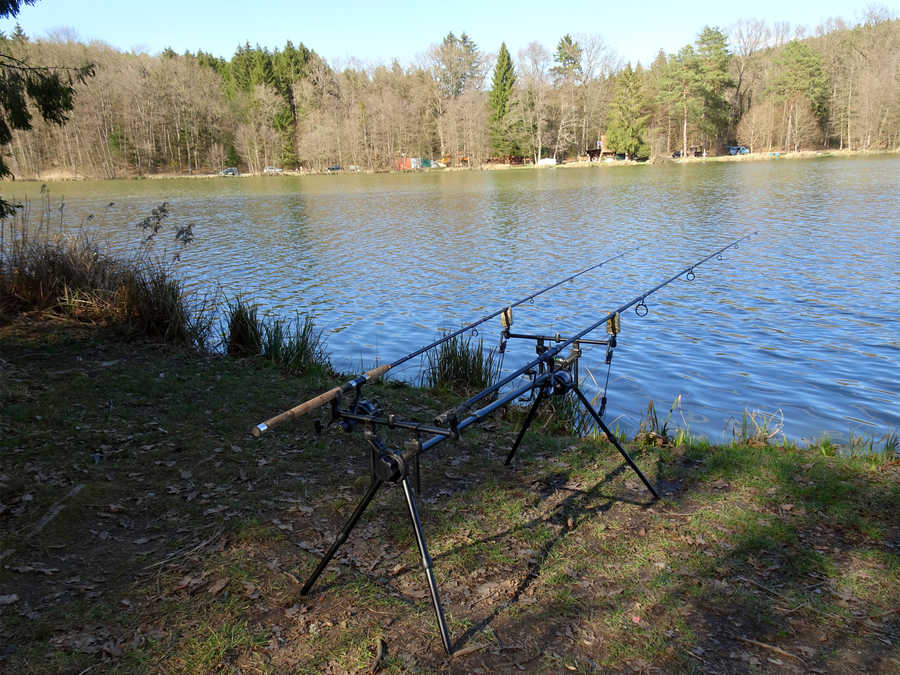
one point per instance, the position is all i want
(451, 417)
(351, 385)
(555, 376)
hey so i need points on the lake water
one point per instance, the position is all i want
(800, 321)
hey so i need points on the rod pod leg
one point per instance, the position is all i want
(615, 441)
(342, 537)
(426, 565)
(528, 420)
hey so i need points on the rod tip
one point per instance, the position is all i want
(259, 430)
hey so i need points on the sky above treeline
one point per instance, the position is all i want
(375, 33)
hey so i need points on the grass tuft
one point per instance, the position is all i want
(758, 427)
(242, 334)
(296, 346)
(461, 367)
(654, 432)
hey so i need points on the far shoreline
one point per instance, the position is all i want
(659, 160)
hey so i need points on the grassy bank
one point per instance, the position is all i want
(145, 530)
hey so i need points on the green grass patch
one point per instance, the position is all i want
(461, 366)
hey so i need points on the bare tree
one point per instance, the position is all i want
(531, 96)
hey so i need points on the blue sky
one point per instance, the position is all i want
(376, 32)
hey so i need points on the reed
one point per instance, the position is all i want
(460, 366)
(296, 346)
(758, 427)
(242, 334)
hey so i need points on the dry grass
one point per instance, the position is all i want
(44, 269)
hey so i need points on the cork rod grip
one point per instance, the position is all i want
(317, 402)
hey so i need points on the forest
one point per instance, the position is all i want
(766, 86)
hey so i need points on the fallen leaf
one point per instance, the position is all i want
(217, 586)
(636, 619)
(36, 567)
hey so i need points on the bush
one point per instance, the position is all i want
(74, 276)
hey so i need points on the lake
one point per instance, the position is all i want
(800, 321)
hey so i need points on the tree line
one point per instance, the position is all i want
(762, 85)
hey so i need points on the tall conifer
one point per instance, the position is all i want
(502, 141)
(628, 116)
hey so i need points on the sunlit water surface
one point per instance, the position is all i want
(800, 321)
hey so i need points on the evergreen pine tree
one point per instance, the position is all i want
(800, 75)
(502, 141)
(50, 89)
(628, 117)
(680, 88)
(713, 60)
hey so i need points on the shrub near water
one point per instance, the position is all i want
(73, 276)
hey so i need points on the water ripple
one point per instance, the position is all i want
(801, 318)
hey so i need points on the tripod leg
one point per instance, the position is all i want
(426, 565)
(342, 537)
(528, 420)
(418, 477)
(615, 441)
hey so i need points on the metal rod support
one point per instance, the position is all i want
(528, 420)
(426, 565)
(342, 537)
(615, 441)
(554, 338)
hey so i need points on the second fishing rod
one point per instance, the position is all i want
(455, 415)
(351, 385)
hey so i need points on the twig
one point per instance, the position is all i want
(772, 648)
(380, 654)
(765, 588)
(468, 650)
(55, 510)
(184, 552)
(696, 656)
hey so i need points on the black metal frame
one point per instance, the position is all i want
(557, 377)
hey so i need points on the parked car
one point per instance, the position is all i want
(738, 150)
(676, 154)
(273, 170)
(335, 167)
(230, 171)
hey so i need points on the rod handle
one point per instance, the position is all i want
(317, 402)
